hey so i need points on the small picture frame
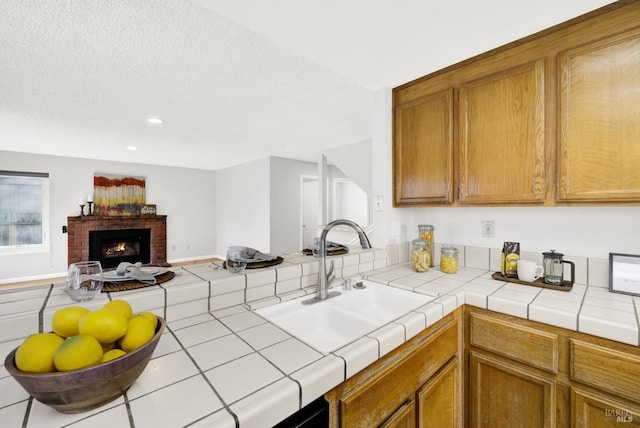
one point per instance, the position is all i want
(148, 210)
(624, 273)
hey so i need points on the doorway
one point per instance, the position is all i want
(346, 200)
(309, 210)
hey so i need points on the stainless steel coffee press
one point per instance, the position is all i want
(554, 269)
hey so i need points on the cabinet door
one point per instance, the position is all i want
(596, 411)
(504, 395)
(439, 399)
(502, 137)
(599, 121)
(423, 151)
(404, 417)
(374, 400)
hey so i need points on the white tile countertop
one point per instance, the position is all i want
(221, 365)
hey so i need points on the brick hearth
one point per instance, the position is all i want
(78, 234)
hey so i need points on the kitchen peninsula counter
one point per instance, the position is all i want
(221, 365)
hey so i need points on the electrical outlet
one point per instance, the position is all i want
(377, 202)
(488, 229)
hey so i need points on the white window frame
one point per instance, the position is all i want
(45, 246)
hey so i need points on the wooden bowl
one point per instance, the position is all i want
(85, 389)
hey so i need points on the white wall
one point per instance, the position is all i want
(286, 227)
(243, 210)
(390, 225)
(578, 231)
(186, 196)
(350, 202)
(354, 160)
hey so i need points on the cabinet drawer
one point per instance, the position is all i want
(608, 370)
(392, 386)
(533, 347)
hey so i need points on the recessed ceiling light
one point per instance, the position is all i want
(132, 148)
(154, 120)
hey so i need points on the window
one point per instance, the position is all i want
(24, 216)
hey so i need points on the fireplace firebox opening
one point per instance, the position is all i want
(111, 247)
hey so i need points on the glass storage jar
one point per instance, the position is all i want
(425, 232)
(420, 255)
(449, 260)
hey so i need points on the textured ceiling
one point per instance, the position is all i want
(233, 80)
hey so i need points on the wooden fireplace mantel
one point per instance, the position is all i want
(78, 229)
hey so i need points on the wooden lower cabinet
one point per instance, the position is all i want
(438, 400)
(505, 395)
(594, 410)
(522, 373)
(418, 384)
(404, 417)
(478, 368)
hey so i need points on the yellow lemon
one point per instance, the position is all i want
(104, 324)
(139, 332)
(121, 306)
(112, 355)
(65, 320)
(36, 353)
(151, 317)
(78, 352)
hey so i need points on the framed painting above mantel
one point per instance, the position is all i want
(118, 195)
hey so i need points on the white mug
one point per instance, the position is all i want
(528, 271)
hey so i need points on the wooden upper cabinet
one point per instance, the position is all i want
(551, 119)
(502, 156)
(599, 120)
(423, 150)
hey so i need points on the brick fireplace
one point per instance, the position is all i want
(78, 239)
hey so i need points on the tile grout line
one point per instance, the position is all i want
(257, 351)
(635, 307)
(204, 377)
(27, 412)
(43, 308)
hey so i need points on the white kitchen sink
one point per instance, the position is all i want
(337, 321)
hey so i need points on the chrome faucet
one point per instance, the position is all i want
(326, 278)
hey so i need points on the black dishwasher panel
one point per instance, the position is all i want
(313, 415)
